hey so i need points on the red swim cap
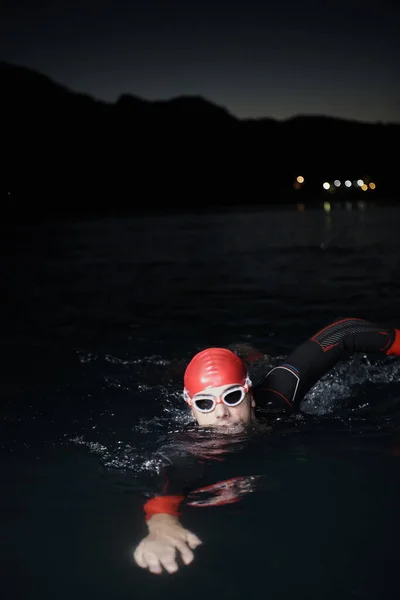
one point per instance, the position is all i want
(214, 367)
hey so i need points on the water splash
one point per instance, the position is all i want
(344, 386)
(345, 381)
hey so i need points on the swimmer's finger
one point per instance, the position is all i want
(193, 540)
(169, 563)
(186, 553)
(138, 556)
(152, 563)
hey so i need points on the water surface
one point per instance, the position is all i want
(98, 320)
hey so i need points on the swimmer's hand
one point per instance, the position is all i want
(158, 549)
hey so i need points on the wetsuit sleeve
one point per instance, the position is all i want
(175, 482)
(286, 385)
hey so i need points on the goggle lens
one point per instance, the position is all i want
(234, 397)
(204, 404)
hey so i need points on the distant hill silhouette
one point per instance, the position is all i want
(81, 153)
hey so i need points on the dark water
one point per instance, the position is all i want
(98, 319)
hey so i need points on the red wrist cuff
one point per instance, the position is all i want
(395, 347)
(162, 504)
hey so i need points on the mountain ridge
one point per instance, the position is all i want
(28, 75)
(61, 142)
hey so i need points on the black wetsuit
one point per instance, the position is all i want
(287, 384)
(281, 389)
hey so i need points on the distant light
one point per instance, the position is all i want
(364, 187)
(337, 183)
(326, 185)
(347, 183)
(360, 182)
(327, 206)
(300, 179)
(372, 185)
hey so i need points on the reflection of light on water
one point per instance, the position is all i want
(121, 455)
(342, 383)
(224, 492)
(132, 447)
(327, 206)
(138, 450)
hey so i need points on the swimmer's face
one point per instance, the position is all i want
(223, 415)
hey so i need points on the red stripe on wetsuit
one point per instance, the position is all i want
(168, 505)
(395, 347)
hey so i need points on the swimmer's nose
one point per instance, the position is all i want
(221, 411)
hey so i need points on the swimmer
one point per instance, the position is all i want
(220, 394)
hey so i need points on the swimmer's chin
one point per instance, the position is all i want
(230, 427)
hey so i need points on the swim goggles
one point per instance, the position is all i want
(206, 403)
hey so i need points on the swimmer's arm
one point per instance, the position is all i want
(171, 489)
(166, 535)
(288, 383)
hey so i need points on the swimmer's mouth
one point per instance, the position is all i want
(230, 425)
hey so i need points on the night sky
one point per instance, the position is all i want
(258, 59)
